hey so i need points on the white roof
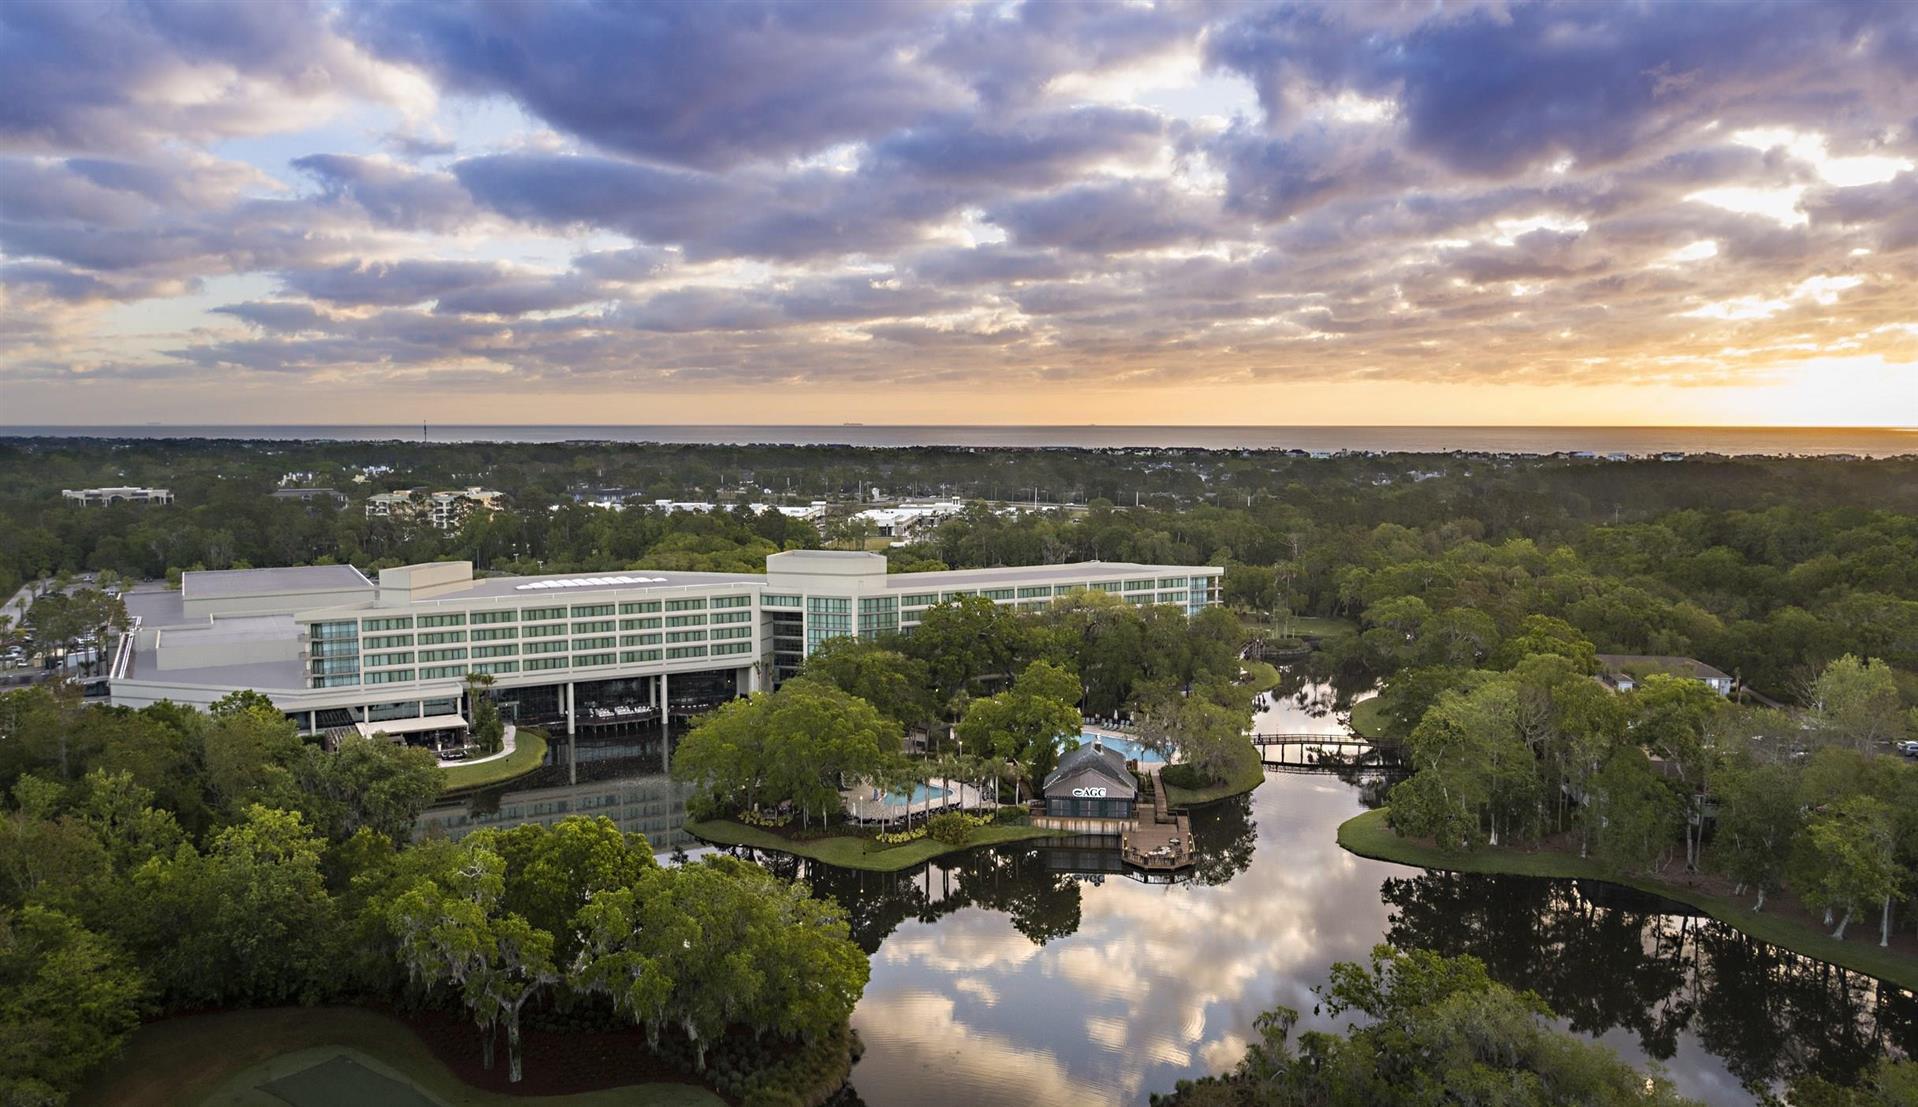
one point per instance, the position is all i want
(411, 726)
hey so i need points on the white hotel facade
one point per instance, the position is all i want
(333, 649)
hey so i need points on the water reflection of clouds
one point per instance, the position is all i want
(1156, 984)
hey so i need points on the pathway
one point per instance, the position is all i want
(505, 750)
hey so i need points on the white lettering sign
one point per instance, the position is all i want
(1089, 793)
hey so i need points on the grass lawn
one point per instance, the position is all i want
(1368, 717)
(220, 1059)
(1260, 675)
(1319, 626)
(1245, 776)
(529, 749)
(849, 852)
(1368, 836)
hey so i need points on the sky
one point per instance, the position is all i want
(1194, 213)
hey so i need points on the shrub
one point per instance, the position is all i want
(1011, 815)
(951, 828)
(1183, 776)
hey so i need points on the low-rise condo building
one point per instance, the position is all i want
(443, 510)
(334, 649)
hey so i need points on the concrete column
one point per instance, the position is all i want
(567, 700)
(665, 727)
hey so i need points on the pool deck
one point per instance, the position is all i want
(862, 807)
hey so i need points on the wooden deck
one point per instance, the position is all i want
(1158, 840)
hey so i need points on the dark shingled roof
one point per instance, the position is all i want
(1092, 757)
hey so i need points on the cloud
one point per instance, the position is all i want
(683, 83)
(911, 195)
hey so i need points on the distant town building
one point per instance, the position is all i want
(310, 494)
(909, 520)
(445, 510)
(1623, 672)
(100, 497)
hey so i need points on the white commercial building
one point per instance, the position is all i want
(99, 497)
(334, 649)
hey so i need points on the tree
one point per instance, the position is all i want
(892, 682)
(367, 782)
(249, 921)
(718, 943)
(1857, 703)
(1630, 814)
(68, 1000)
(1853, 845)
(1758, 818)
(1672, 717)
(791, 745)
(1436, 1030)
(453, 929)
(489, 730)
(1019, 724)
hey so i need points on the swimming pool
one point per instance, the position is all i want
(921, 793)
(1132, 750)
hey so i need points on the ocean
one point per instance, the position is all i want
(1637, 441)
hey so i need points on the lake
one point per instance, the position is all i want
(1044, 973)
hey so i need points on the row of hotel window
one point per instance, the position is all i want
(530, 665)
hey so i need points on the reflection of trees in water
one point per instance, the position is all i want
(1014, 880)
(1223, 837)
(1610, 957)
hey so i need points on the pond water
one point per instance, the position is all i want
(1043, 973)
(1131, 749)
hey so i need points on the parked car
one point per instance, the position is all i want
(1909, 749)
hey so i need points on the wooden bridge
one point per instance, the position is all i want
(1323, 751)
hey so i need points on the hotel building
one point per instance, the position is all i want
(333, 649)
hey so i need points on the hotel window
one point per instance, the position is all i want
(1067, 589)
(732, 648)
(685, 636)
(443, 655)
(1105, 586)
(556, 645)
(675, 653)
(685, 620)
(375, 660)
(456, 620)
(647, 623)
(732, 601)
(596, 626)
(540, 614)
(545, 630)
(334, 632)
(959, 593)
(337, 666)
(496, 668)
(604, 643)
(1139, 599)
(1138, 586)
(390, 676)
(780, 601)
(594, 660)
(336, 681)
(399, 622)
(732, 617)
(442, 637)
(638, 608)
(686, 605)
(919, 599)
(1172, 597)
(441, 672)
(997, 593)
(543, 664)
(1029, 593)
(508, 650)
(591, 610)
(732, 632)
(495, 634)
(828, 605)
(631, 657)
(1172, 582)
(496, 616)
(386, 641)
(639, 639)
